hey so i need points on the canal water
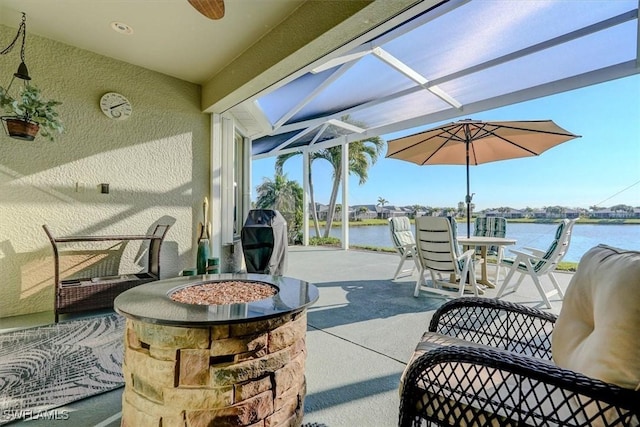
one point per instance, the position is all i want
(585, 236)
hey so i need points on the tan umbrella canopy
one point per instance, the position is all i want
(473, 142)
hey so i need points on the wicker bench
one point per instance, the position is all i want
(92, 293)
(490, 362)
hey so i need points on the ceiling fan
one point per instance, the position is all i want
(212, 9)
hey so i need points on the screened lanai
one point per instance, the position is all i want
(443, 60)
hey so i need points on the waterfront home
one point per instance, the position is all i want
(207, 97)
(362, 212)
(283, 80)
(608, 213)
(505, 213)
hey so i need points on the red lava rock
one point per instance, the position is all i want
(220, 293)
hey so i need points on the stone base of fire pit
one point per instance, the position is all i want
(244, 374)
(195, 365)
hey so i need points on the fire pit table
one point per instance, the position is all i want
(192, 361)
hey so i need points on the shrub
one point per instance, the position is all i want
(324, 241)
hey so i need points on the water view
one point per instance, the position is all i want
(585, 236)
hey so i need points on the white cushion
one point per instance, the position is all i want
(598, 330)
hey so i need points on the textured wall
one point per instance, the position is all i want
(156, 162)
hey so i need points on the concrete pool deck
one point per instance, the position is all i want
(360, 334)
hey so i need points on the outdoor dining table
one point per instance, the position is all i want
(484, 242)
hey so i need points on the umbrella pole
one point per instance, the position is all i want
(468, 219)
(468, 200)
(468, 197)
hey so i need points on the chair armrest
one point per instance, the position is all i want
(461, 385)
(536, 252)
(496, 323)
(532, 253)
(470, 254)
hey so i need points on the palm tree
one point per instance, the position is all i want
(362, 154)
(529, 211)
(361, 211)
(279, 193)
(381, 202)
(285, 196)
(625, 208)
(280, 161)
(555, 211)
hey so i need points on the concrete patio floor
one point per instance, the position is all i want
(360, 334)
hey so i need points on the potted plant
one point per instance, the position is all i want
(28, 113)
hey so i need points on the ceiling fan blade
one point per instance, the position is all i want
(212, 9)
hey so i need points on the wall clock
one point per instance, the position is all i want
(115, 106)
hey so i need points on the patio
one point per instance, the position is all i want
(360, 334)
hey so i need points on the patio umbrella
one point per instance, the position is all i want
(473, 142)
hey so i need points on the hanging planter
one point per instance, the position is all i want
(29, 113)
(21, 129)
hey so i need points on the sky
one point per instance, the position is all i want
(601, 168)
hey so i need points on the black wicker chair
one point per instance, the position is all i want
(501, 374)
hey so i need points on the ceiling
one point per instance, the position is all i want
(395, 65)
(447, 61)
(169, 36)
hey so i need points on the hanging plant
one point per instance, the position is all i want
(28, 113)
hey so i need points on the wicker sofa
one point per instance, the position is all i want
(487, 362)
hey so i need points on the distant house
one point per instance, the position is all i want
(371, 211)
(516, 213)
(419, 212)
(566, 213)
(607, 213)
(440, 212)
(382, 211)
(323, 211)
(604, 213)
(509, 213)
(407, 211)
(390, 211)
(622, 214)
(492, 213)
(539, 213)
(572, 213)
(361, 212)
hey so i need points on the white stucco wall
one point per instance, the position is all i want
(156, 162)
